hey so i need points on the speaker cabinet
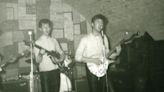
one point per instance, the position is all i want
(81, 85)
(16, 86)
(79, 71)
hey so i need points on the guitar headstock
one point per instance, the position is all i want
(130, 37)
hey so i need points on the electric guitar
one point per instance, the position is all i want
(100, 70)
(54, 56)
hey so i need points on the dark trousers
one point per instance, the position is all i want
(50, 81)
(1, 86)
(96, 84)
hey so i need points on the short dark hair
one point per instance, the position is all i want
(99, 16)
(45, 21)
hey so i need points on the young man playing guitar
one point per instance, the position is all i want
(93, 50)
(48, 67)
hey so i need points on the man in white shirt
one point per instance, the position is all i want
(91, 50)
(49, 70)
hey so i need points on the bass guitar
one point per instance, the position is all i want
(54, 56)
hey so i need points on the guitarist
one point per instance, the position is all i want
(91, 49)
(49, 70)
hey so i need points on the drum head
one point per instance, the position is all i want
(65, 83)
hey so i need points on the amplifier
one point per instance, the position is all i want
(79, 71)
(16, 86)
(81, 85)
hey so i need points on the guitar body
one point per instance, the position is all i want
(99, 70)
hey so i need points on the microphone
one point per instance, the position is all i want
(102, 34)
(30, 35)
(30, 32)
(31, 38)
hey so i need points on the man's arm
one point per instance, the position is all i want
(38, 54)
(97, 61)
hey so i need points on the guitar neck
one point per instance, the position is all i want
(39, 47)
(114, 49)
(52, 53)
(123, 41)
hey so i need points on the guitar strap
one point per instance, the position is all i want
(102, 34)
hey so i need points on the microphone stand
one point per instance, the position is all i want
(104, 55)
(108, 82)
(32, 69)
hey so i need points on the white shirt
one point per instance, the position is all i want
(49, 44)
(91, 46)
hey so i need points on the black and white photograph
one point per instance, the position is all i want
(81, 45)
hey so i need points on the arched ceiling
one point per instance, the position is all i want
(125, 15)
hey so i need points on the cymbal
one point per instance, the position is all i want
(28, 73)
